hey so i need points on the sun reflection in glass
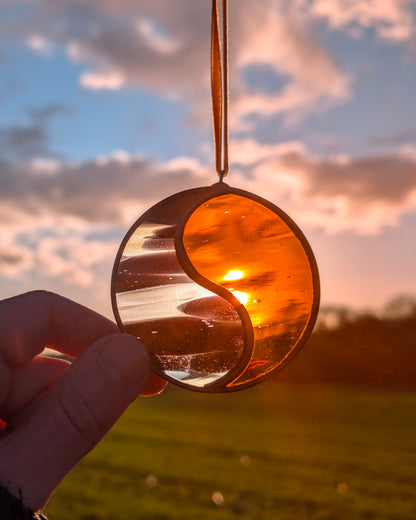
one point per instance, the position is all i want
(233, 275)
(242, 297)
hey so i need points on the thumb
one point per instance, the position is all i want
(80, 409)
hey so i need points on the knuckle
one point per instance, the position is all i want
(79, 417)
(41, 295)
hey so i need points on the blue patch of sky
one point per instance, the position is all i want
(263, 78)
(383, 90)
(101, 121)
(106, 235)
(13, 10)
(159, 29)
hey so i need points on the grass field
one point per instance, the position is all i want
(273, 452)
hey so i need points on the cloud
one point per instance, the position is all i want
(64, 222)
(23, 141)
(30, 140)
(392, 20)
(42, 115)
(402, 137)
(337, 194)
(106, 81)
(104, 190)
(166, 51)
(279, 36)
(56, 250)
(40, 45)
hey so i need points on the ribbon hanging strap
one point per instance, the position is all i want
(219, 87)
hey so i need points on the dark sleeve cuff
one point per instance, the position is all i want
(12, 508)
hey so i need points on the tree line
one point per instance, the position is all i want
(373, 350)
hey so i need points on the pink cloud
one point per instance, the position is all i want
(333, 193)
(166, 51)
(392, 20)
(336, 194)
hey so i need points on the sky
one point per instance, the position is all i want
(105, 110)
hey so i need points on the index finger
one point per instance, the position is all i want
(35, 320)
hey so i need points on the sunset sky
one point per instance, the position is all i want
(105, 110)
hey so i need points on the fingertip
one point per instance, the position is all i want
(135, 371)
(153, 386)
(126, 359)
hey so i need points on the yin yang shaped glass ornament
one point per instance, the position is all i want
(219, 284)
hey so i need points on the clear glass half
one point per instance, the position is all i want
(195, 336)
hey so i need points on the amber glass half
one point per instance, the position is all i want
(247, 248)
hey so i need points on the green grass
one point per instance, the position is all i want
(274, 453)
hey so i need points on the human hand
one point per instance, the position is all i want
(55, 411)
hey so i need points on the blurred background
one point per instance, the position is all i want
(105, 110)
